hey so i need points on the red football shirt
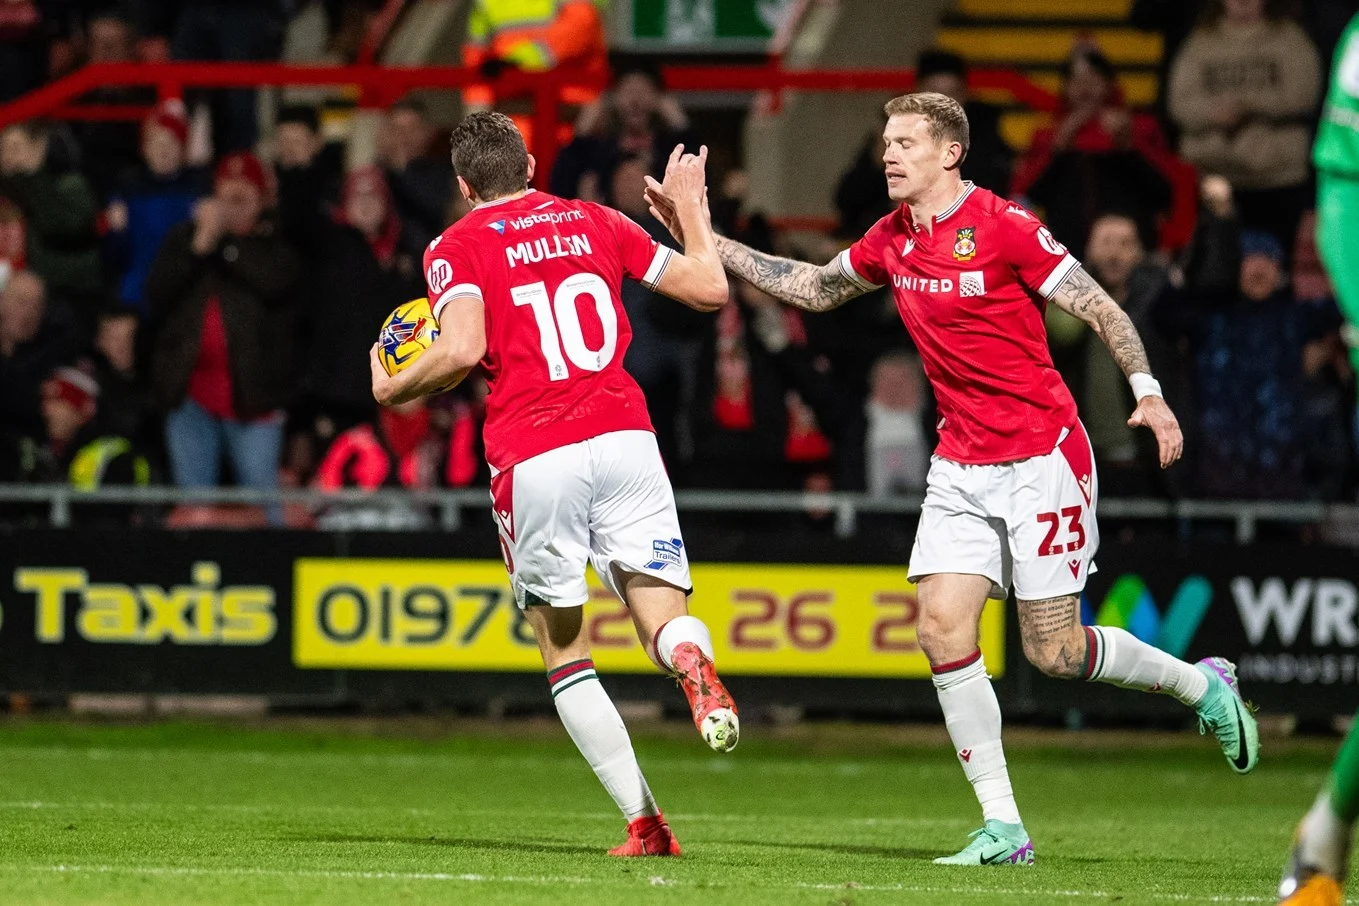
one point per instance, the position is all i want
(972, 295)
(548, 271)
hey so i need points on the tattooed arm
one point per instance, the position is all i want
(1081, 297)
(798, 283)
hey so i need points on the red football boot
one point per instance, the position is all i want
(714, 710)
(648, 836)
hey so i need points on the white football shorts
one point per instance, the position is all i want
(606, 500)
(1030, 524)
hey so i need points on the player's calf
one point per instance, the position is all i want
(1052, 636)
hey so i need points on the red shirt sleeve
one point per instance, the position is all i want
(1039, 261)
(642, 257)
(862, 261)
(449, 273)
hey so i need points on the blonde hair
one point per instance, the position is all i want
(947, 120)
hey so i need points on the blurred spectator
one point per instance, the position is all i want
(359, 274)
(1243, 90)
(158, 194)
(12, 241)
(400, 451)
(989, 159)
(108, 150)
(1326, 407)
(535, 37)
(666, 337)
(309, 170)
(421, 182)
(27, 28)
(59, 212)
(33, 341)
(1116, 257)
(897, 448)
(124, 408)
(74, 450)
(223, 293)
(761, 402)
(1099, 156)
(861, 194)
(636, 117)
(231, 31)
(1249, 366)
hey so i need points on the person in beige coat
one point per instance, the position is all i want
(1243, 90)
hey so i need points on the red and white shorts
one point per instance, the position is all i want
(1030, 524)
(606, 500)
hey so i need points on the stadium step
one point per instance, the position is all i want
(1109, 10)
(1029, 44)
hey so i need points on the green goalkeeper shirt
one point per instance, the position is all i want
(1337, 146)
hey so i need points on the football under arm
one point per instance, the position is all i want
(1080, 296)
(461, 344)
(798, 283)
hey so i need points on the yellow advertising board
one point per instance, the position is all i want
(766, 619)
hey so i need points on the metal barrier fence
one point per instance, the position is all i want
(847, 507)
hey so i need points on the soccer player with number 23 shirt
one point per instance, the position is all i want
(1011, 492)
(527, 285)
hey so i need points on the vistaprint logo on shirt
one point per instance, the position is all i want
(1129, 605)
(531, 220)
(498, 226)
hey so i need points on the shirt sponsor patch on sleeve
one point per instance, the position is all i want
(439, 276)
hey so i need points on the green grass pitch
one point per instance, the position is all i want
(354, 811)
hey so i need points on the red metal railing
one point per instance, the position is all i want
(380, 86)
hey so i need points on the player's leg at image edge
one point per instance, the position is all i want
(1110, 655)
(1317, 868)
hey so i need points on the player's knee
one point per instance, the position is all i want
(1054, 656)
(943, 637)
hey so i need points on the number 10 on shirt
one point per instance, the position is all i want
(559, 331)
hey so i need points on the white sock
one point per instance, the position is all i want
(681, 629)
(972, 715)
(595, 727)
(1118, 657)
(1325, 838)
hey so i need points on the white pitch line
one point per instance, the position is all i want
(454, 812)
(412, 759)
(651, 881)
(1020, 891)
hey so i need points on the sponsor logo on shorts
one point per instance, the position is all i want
(666, 553)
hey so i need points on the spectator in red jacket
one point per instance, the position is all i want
(1099, 156)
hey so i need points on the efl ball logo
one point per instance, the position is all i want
(407, 332)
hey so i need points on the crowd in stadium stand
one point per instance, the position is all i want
(185, 301)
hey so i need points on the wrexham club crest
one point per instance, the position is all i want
(965, 244)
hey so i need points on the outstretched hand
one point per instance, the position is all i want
(1153, 412)
(684, 184)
